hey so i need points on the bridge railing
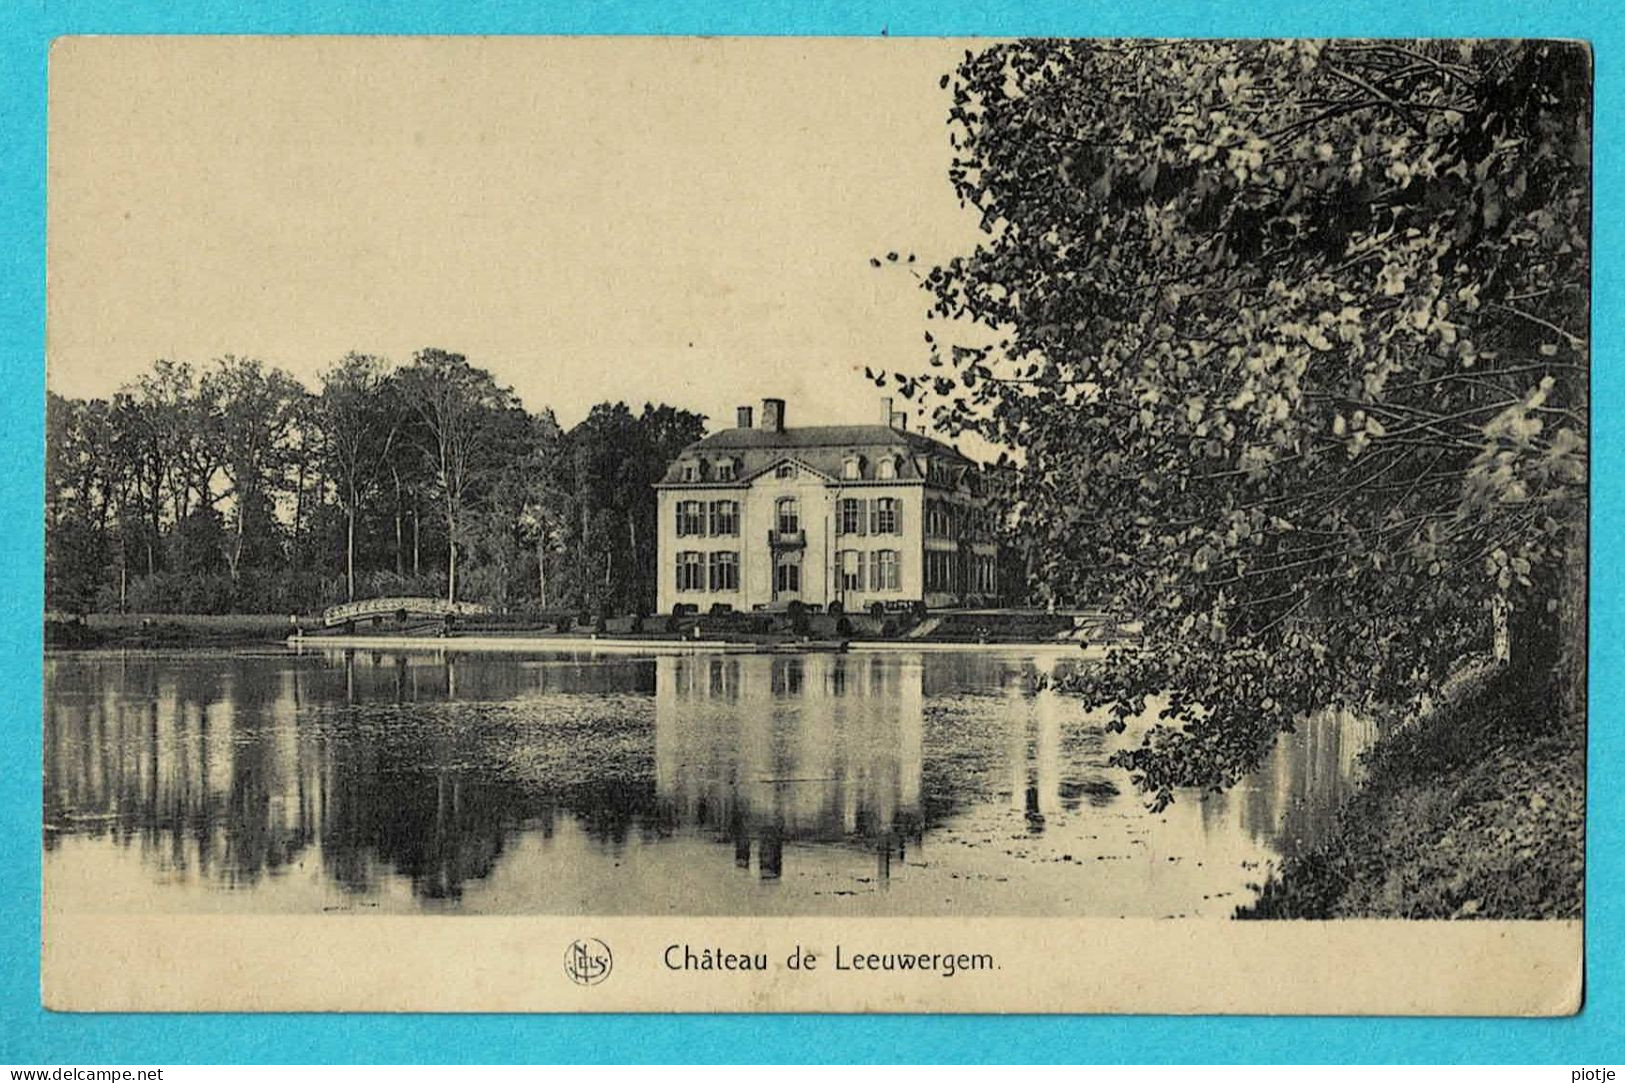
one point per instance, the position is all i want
(384, 607)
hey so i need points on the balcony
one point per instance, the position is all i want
(787, 539)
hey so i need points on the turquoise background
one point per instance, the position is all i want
(29, 1035)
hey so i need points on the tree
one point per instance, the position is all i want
(360, 420)
(610, 462)
(84, 487)
(313, 485)
(663, 432)
(1293, 339)
(469, 423)
(254, 411)
(542, 497)
(162, 437)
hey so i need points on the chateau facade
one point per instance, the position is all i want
(758, 516)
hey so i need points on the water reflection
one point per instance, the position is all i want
(764, 750)
(738, 783)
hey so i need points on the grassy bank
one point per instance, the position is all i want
(153, 630)
(1475, 811)
(157, 630)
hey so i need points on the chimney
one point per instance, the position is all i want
(899, 421)
(886, 415)
(773, 415)
(744, 417)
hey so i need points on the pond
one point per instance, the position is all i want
(866, 783)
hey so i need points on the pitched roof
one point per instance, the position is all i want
(823, 448)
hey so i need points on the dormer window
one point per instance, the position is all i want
(785, 470)
(691, 471)
(852, 468)
(886, 469)
(725, 470)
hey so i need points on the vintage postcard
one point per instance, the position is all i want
(675, 524)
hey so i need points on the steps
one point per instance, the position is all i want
(924, 628)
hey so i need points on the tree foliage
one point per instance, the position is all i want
(241, 490)
(470, 427)
(1293, 337)
(361, 419)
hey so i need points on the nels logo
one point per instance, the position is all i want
(588, 961)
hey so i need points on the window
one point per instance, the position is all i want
(851, 520)
(724, 518)
(785, 470)
(787, 578)
(691, 471)
(886, 469)
(726, 470)
(852, 468)
(724, 571)
(887, 574)
(789, 515)
(851, 565)
(883, 516)
(690, 518)
(690, 571)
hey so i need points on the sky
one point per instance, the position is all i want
(679, 220)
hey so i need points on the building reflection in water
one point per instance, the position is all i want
(766, 750)
(374, 769)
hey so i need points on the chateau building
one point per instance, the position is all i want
(758, 516)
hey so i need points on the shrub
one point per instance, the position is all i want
(563, 624)
(877, 610)
(888, 629)
(836, 608)
(386, 584)
(153, 594)
(843, 626)
(800, 624)
(721, 609)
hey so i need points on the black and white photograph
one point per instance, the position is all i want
(845, 495)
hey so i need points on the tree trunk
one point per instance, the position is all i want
(541, 569)
(636, 574)
(298, 505)
(152, 536)
(451, 557)
(400, 516)
(1568, 624)
(349, 549)
(1547, 634)
(237, 543)
(417, 544)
